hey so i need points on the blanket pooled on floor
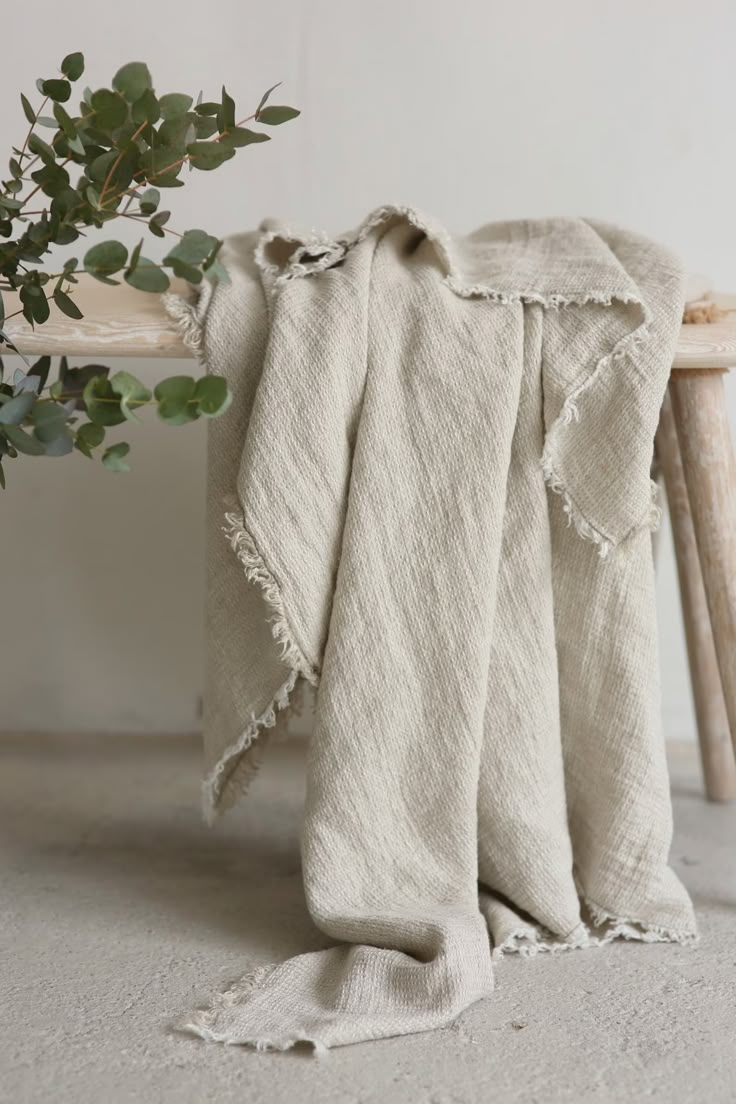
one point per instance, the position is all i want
(434, 486)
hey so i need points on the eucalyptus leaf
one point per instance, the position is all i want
(41, 370)
(132, 80)
(173, 104)
(28, 111)
(242, 136)
(274, 116)
(212, 395)
(209, 155)
(266, 96)
(62, 444)
(227, 116)
(98, 169)
(92, 435)
(102, 403)
(65, 121)
(114, 457)
(162, 165)
(217, 272)
(177, 132)
(194, 246)
(149, 201)
(59, 90)
(23, 441)
(27, 383)
(66, 304)
(73, 66)
(205, 126)
(147, 276)
(105, 258)
(35, 304)
(17, 409)
(184, 271)
(110, 109)
(146, 108)
(132, 393)
(72, 381)
(42, 149)
(175, 397)
(49, 421)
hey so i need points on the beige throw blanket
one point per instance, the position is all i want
(424, 428)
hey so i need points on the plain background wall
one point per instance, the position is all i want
(476, 110)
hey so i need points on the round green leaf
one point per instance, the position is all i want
(110, 109)
(58, 90)
(131, 391)
(194, 246)
(114, 457)
(15, 410)
(100, 166)
(205, 126)
(92, 435)
(103, 405)
(209, 155)
(147, 276)
(62, 444)
(105, 258)
(132, 80)
(73, 66)
(174, 396)
(163, 165)
(49, 420)
(146, 108)
(34, 303)
(177, 132)
(173, 104)
(184, 271)
(212, 395)
(149, 201)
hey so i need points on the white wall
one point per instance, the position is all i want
(476, 110)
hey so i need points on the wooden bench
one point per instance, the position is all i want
(694, 453)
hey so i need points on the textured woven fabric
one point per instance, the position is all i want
(435, 495)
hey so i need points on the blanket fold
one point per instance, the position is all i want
(423, 429)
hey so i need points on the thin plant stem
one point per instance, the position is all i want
(117, 161)
(30, 129)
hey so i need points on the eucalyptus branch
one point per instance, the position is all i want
(123, 140)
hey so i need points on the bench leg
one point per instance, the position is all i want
(716, 753)
(703, 433)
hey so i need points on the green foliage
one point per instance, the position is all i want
(108, 159)
(114, 457)
(274, 116)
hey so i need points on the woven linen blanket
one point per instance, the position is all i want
(434, 486)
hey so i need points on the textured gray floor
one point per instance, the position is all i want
(120, 911)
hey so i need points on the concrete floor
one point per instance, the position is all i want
(121, 911)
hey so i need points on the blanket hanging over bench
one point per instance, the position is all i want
(424, 427)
